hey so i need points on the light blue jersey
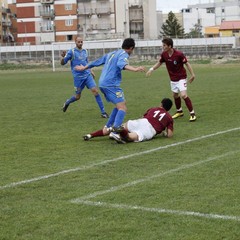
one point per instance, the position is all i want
(78, 57)
(114, 62)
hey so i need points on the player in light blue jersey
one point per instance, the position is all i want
(79, 56)
(110, 80)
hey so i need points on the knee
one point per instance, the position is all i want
(94, 91)
(77, 96)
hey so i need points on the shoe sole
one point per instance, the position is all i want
(118, 140)
(177, 116)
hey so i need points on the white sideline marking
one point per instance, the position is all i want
(141, 180)
(14, 184)
(160, 210)
(84, 199)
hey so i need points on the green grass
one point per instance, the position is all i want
(193, 174)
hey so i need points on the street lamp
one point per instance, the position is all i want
(25, 30)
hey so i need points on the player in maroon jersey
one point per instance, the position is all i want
(175, 61)
(155, 121)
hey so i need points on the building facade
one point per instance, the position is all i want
(46, 21)
(6, 23)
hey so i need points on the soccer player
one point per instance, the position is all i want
(155, 121)
(111, 77)
(175, 61)
(79, 56)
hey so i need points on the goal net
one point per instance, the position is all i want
(95, 50)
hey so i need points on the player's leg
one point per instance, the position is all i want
(90, 83)
(177, 99)
(99, 133)
(188, 102)
(72, 99)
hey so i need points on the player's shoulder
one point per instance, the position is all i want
(178, 52)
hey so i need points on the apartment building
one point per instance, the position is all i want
(6, 23)
(46, 21)
(210, 14)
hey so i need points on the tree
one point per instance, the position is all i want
(195, 32)
(172, 28)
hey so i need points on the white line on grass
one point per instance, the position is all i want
(84, 199)
(141, 180)
(14, 184)
(160, 210)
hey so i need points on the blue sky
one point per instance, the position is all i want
(177, 5)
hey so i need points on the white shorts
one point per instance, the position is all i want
(142, 128)
(179, 86)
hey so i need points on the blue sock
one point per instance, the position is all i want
(100, 103)
(71, 100)
(119, 118)
(112, 117)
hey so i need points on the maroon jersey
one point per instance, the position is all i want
(174, 65)
(159, 118)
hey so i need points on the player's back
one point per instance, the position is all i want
(111, 74)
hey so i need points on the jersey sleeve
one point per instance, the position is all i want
(100, 61)
(123, 60)
(161, 59)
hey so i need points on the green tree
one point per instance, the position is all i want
(172, 28)
(195, 32)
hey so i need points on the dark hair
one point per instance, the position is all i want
(168, 41)
(128, 43)
(166, 103)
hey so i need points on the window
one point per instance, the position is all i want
(68, 22)
(69, 37)
(210, 10)
(68, 7)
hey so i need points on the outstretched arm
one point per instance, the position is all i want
(134, 69)
(156, 66)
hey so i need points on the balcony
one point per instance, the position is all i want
(47, 13)
(49, 28)
(6, 23)
(103, 11)
(84, 11)
(6, 11)
(47, 1)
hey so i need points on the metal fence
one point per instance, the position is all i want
(144, 51)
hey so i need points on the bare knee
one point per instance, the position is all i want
(94, 91)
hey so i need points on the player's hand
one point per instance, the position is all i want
(80, 68)
(63, 54)
(149, 72)
(140, 69)
(191, 79)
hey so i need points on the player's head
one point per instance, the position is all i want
(128, 44)
(79, 42)
(166, 103)
(168, 42)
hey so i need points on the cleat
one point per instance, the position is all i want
(118, 129)
(65, 107)
(177, 115)
(110, 135)
(87, 137)
(104, 115)
(117, 138)
(192, 118)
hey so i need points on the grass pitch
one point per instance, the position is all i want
(54, 185)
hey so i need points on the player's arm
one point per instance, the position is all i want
(169, 132)
(93, 74)
(100, 61)
(134, 69)
(153, 68)
(189, 67)
(63, 54)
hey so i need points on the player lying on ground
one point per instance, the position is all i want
(155, 121)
